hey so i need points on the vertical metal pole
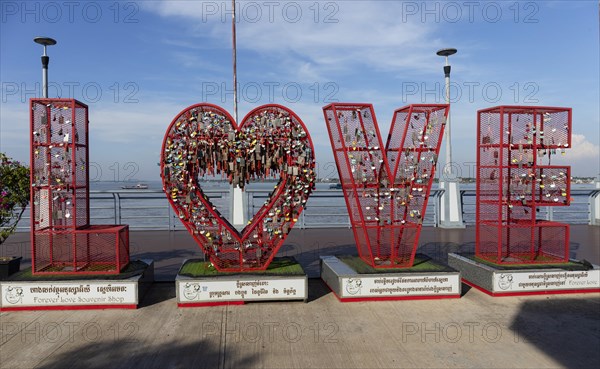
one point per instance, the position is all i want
(448, 169)
(233, 32)
(45, 62)
(238, 203)
(595, 203)
(45, 41)
(451, 210)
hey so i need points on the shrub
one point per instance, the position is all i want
(14, 194)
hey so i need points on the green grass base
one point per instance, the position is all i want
(86, 269)
(279, 267)
(132, 269)
(422, 263)
(570, 265)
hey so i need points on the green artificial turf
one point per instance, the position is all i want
(132, 269)
(422, 263)
(279, 266)
(90, 268)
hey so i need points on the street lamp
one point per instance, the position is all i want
(451, 208)
(446, 53)
(45, 41)
(238, 203)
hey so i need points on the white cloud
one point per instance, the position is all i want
(367, 34)
(581, 148)
(131, 124)
(583, 157)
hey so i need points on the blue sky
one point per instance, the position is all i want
(138, 64)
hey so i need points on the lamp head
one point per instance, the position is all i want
(45, 41)
(446, 52)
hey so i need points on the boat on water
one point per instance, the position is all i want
(139, 186)
(335, 186)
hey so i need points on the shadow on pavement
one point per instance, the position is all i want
(568, 330)
(159, 292)
(122, 353)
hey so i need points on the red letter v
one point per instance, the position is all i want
(386, 189)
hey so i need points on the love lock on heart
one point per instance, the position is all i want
(386, 188)
(272, 142)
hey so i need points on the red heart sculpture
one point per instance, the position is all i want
(271, 141)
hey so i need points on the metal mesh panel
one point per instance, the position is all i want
(364, 251)
(553, 241)
(41, 250)
(90, 250)
(512, 182)
(93, 251)
(123, 239)
(487, 247)
(82, 207)
(543, 243)
(62, 242)
(386, 188)
(406, 238)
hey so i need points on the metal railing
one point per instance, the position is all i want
(149, 209)
(327, 215)
(580, 210)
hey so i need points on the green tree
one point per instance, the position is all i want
(14, 194)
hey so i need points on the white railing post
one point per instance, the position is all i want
(594, 201)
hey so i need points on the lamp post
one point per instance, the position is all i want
(45, 41)
(595, 202)
(446, 53)
(234, 47)
(451, 208)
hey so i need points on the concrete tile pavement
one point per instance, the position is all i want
(476, 331)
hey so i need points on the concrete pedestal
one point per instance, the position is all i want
(238, 288)
(514, 281)
(69, 293)
(348, 285)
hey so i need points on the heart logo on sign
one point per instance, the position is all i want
(272, 142)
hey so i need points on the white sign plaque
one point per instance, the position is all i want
(190, 290)
(57, 293)
(401, 285)
(507, 281)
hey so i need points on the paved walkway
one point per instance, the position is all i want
(476, 331)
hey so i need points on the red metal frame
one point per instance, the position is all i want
(512, 143)
(62, 239)
(271, 142)
(386, 190)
